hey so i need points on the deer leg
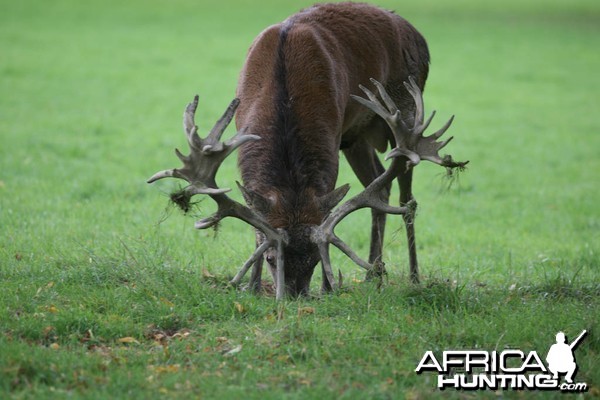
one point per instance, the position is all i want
(405, 182)
(365, 164)
(409, 146)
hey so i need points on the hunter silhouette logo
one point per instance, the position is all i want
(560, 357)
(507, 369)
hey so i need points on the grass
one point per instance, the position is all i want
(107, 291)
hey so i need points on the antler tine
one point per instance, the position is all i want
(255, 256)
(217, 131)
(189, 113)
(239, 139)
(168, 173)
(443, 130)
(417, 95)
(189, 126)
(373, 104)
(391, 106)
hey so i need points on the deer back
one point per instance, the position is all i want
(294, 92)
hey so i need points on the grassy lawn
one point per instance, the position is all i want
(107, 291)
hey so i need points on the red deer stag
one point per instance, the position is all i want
(296, 108)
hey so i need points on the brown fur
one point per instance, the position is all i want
(294, 92)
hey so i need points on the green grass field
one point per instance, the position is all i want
(107, 291)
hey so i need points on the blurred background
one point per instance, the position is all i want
(92, 95)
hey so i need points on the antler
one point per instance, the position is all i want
(199, 170)
(324, 234)
(411, 144)
(200, 167)
(410, 141)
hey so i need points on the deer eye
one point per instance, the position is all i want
(270, 259)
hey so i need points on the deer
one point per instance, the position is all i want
(298, 105)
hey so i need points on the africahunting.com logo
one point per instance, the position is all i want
(508, 369)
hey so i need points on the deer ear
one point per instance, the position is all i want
(330, 200)
(256, 201)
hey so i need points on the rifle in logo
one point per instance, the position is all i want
(560, 357)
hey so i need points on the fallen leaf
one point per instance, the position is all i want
(54, 346)
(358, 385)
(47, 330)
(88, 336)
(165, 368)
(233, 351)
(206, 273)
(305, 310)
(182, 334)
(128, 339)
(240, 308)
(167, 302)
(52, 309)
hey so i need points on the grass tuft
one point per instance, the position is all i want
(182, 199)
